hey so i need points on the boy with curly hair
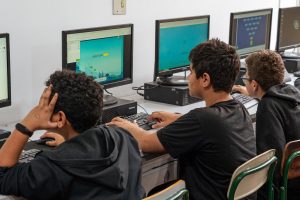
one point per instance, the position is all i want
(93, 163)
(278, 112)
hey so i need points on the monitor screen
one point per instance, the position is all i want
(288, 35)
(105, 53)
(250, 31)
(5, 99)
(175, 38)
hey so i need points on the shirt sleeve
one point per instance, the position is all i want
(34, 180)
(182, 136)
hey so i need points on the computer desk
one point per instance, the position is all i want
(156, 168)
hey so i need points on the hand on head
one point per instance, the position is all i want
(58, 139)
(40, 116)
(241, 89)
(163, 118)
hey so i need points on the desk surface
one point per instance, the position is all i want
(151, 106)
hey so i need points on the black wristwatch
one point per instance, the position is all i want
(20, 127)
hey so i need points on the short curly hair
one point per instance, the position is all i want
(217, 59)
(79, 97)
(265, 67)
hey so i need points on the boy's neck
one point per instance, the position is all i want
(216, 97)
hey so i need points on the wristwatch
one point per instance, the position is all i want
(21, 128)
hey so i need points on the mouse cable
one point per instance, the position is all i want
(108, 92)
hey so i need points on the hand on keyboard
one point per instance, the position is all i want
(141, 119)
(163, 118)
(240, 89)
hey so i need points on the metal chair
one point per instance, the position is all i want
(290, 165)
(176, 191)
(252, 175)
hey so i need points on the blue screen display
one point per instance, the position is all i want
(102, 58)
(251, 31)
(176, 43)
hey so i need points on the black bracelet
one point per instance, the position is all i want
(21, 128)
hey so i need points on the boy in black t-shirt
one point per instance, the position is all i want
(210, 142)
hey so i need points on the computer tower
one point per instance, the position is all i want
(121, 108)
(292, 65)
(177, 95)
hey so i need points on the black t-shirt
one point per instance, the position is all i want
(210, 144)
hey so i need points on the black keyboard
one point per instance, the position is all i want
(247, 101)
(28, 155)
(3, 136)
(141, 120)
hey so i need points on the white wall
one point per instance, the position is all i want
(35, 34)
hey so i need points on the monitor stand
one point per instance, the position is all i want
(109, 100)
(172, 80)
(290, 55)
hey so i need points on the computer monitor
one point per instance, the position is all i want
(5, 98)
(105, 53)
(250, 31)
(288, 36)
(174, 40)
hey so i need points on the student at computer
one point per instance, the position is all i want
(278, 112)
(210, 142)
(93, 163)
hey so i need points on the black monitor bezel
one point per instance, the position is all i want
(116, 83)
(157, 73)
(246, 12)
(282, 49)
(7, 102)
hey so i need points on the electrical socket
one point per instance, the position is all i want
(119, 7)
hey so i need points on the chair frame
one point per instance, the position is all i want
(271, 162)
(183, 192)
(288, 163)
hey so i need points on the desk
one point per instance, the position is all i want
(156, 168)
(152, 106)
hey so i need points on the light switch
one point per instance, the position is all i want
(119, 7)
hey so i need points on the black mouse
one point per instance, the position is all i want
(297, 83)
(43, 140)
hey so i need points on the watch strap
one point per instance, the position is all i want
(23, 129)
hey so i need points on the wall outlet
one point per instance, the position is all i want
(119, 7)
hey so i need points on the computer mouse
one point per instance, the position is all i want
(297, 83)
(43, 141)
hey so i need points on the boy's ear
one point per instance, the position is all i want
(60, 118)
(254, 85)
(206, 79)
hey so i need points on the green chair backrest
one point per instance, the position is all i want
(290, 165)
(253, 174)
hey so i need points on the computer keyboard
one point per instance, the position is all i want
(28, 155)
(247, 101)
(141, 120)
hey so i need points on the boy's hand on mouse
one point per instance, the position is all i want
(57, 139)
